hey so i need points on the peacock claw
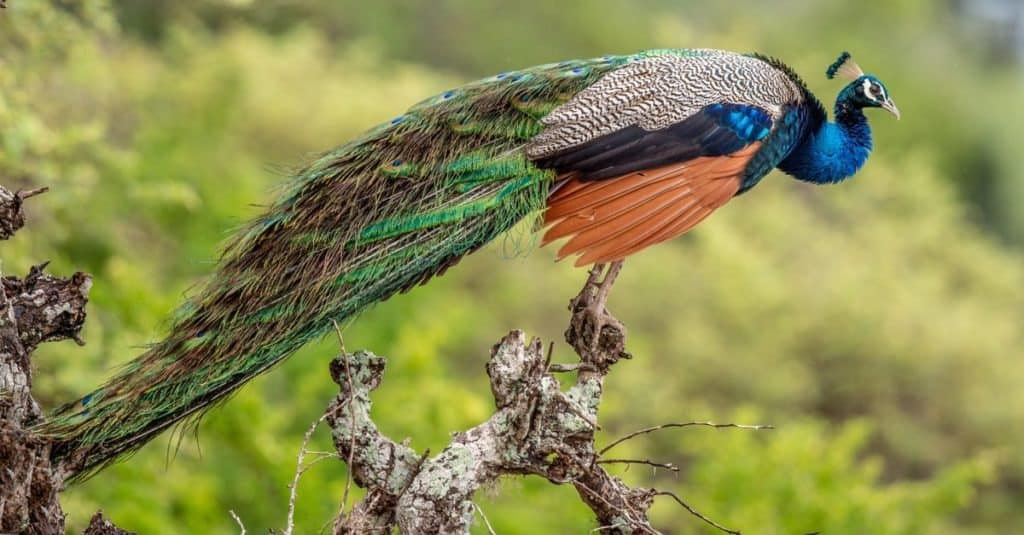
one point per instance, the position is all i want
(594, 330)
(599, 318)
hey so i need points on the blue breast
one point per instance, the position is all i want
(831, 151)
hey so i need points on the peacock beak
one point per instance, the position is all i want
(890, 107)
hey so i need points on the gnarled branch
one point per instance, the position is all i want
(537, 429)
(39, 308)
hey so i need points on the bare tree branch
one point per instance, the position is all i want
(12, 216)
(238, 521)
(352, 417)
(537, 429)
(696, 513)
(490, 528)
(666, 466)
(39, 308)
(299, 470)
(682, 424)
(384, 467)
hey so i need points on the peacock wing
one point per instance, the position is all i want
(612, 202)
(612, 219)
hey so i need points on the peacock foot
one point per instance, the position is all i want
(597, 336)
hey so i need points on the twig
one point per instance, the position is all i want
(299, 470)
(341, 339)
(32, 192)
(628, 512)
(238, 521)
(666, 466)
(490, 529)
(696, 513)
(571, 367)
(318, 460)
(352, 416)
(680, 424)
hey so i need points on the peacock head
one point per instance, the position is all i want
(864, 90)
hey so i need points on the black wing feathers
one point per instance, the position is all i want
(715, 130)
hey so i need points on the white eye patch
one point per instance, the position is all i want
(866, 86)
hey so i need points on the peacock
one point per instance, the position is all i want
(608, 156)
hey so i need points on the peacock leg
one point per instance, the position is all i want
(591, 316)
(606, 285)
(600, 312)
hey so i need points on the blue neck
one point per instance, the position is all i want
(832, 152)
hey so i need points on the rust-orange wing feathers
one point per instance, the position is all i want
(610, 219)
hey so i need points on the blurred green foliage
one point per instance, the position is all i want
(877, 323)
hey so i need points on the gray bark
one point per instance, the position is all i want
(537, 429)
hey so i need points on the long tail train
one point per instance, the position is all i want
(375, 217)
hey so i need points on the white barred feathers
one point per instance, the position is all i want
(654, 92)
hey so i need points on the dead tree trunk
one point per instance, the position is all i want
(39, 308)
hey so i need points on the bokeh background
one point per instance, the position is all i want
(877, 323)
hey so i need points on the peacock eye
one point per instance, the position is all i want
(876, 89)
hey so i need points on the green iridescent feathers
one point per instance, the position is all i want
(375, 216)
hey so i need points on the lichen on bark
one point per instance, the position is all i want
(537, 429)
